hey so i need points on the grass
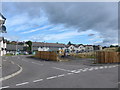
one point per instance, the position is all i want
(84, 55)
(9, 55)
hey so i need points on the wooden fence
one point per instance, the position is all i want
(107, 57)
(47, 55)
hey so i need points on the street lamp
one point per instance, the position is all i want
(2, 22)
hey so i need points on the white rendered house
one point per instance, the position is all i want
(2, 46)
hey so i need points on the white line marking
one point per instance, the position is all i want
(105, 66)
(69, 73)
(38, 80)
(61, 69)
(101, 67)
(12, 62)
(84, 70)
(61, 75)
(96, 68)
(90, 69)
(37, 63)
(109, 66)
(5, 87)
(114, 66)
(73, 71)
(22, 83)
(80, 69)
(51, 77)
(77, 72)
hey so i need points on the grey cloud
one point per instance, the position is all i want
(101, 17)
(91, 34)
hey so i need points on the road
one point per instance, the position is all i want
(38, 73)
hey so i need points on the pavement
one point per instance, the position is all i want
(37, 73)
(9, 67)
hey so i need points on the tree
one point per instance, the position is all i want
(69, 43)
(118, 50)
(112, 46)
(29, 43)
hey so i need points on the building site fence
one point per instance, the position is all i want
(47, 55)
(107, 57)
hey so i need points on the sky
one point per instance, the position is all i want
(78, 22)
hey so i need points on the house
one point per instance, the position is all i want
(79, 48)
(98, 47)
(73, 48)
(2, 19)
(2, 46)
(13, 49)
(41, 46)
(89, 48)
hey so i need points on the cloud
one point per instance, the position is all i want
(34, 30)
(59, 36)
(98, 16)
(91, 34)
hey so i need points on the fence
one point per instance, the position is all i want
(107, 57)
(47, 55)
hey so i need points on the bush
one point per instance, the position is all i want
(118, 50)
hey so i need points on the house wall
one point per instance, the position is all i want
(2, 45)
(81, 48)
(49, 48)
(43, 48)
(72, 48)
(89, 48)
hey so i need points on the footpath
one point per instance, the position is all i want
(9, 69)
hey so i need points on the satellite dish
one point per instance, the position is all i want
(3, 29)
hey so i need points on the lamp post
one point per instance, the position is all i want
(2, 27)
(2, 22)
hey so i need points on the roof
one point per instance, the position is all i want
(11, 47)
(41, 44)
(2, 17)
(1, 38)
(76, 45)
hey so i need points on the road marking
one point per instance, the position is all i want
(84, 70)
(77, 72)
(105, 66)
(38, 80)
(5, 87)
(61, 69)
(96, 68)
(22, 84)
(73, 71)
(69, 73)
(90, 69)
(101, 67)
(36, 63)
(51, 77)
(12, 75)
(24, 60)
(12, 62)
(61, 75)
(4, 60)
(109, 66)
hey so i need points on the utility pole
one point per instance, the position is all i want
(2, 27)
(16, 47)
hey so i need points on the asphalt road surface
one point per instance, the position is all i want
(38, 73)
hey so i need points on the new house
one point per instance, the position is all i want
(13, 49)
(79, 48)
(2, 46)
(41, 46)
